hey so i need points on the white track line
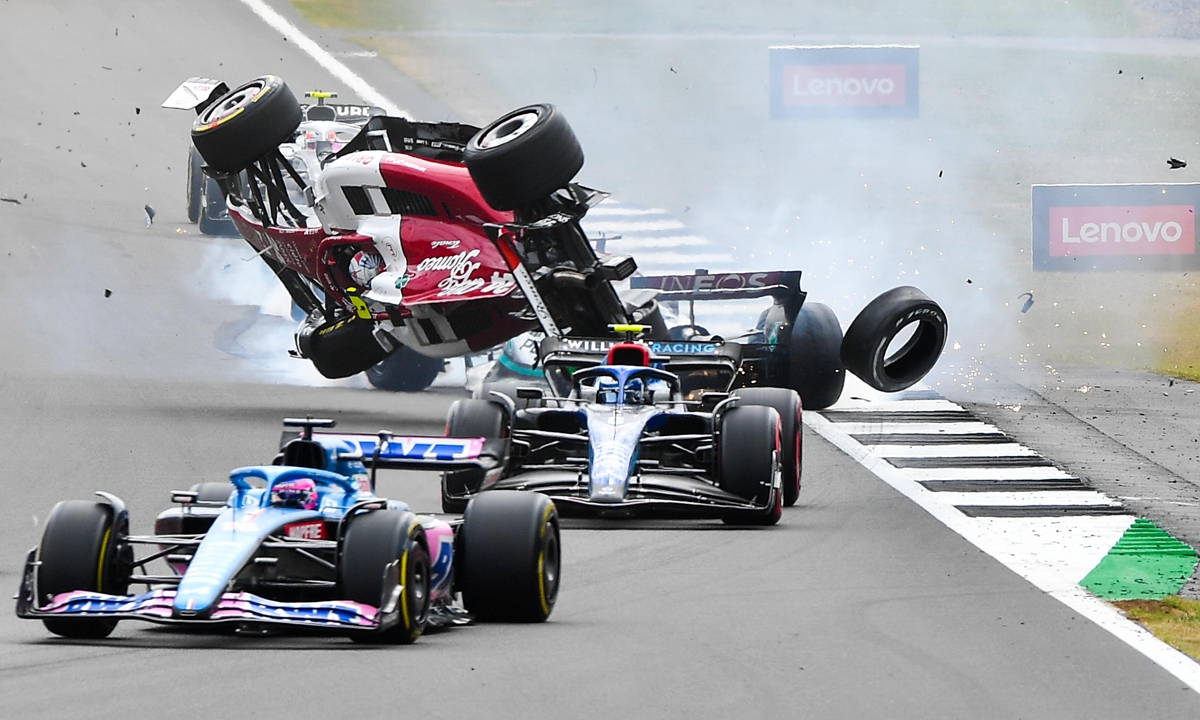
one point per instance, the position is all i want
(851, 406)
(956, 428)
(998, 474)
(1028, 498)
(1043, 573)
(326, 60)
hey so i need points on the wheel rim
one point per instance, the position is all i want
(550, 566)
(420, 592)
(231, 105)
(509, 130)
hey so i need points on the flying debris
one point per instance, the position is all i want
(107, 293)
(1028, 303)
(14, 201)
(149, 216)
(1176, 164)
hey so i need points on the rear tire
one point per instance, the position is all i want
(506, 560)
(867, 339)
(246, 123)
(81, 550)
(749, 461)
(815, 367)
(470, 418)
(523, 157)
(372, 542)
(212, 492)
(405, 370)
(787, 403)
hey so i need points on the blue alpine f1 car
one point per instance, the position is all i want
(615, 432)
(303, 543)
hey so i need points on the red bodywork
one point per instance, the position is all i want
(450, 240)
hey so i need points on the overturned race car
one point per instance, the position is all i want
(304, 543)
(438, 240)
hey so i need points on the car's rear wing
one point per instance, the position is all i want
(783, 285)
(409, 452)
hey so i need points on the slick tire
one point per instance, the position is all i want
(866, 348)
(246, 123)
(470, 418)
(195, 192)
(791, 433)
(405, 370)
(815, 367)
(212, 492)
(372, 541)
(748, 461)
(523, 156)
(342, 348)
(81, 550)
(507, 561)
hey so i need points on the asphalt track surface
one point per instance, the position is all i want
(857, 605)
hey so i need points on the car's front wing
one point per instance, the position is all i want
(157, 606)
(649, 494)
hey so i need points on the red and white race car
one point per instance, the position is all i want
(415, 240)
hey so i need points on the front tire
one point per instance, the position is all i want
(787, 404)
(371, 543)
(246, 123)
(749, 460)
(506, 560)
(81, 549)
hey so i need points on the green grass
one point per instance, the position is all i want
(1174, 620)
(1001, 17)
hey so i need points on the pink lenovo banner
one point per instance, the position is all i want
(844, 81)
(1115, 227)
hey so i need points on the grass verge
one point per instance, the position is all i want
(1174, 620)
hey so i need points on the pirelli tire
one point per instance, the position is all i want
(341, 348)
(815, 368)
(405, 370)
(791, 433)
(195, 187)
(748, 463)
(371, 542)
(507, 562)
(81, 549)
(470, 418)
(866, 349)
(523, 157)
(246, 123)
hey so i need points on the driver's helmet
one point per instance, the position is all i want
(607, 391)
(300, 494)
(635, 391)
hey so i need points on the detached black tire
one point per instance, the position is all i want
(523, 157)
(865, 348)
(506, 557)
(195, 186)
(747, 458)
(815, 367)
(470, 418)
(791, 433)
(246, 123)
(80, 550)
(372, 542)
(405, 370)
